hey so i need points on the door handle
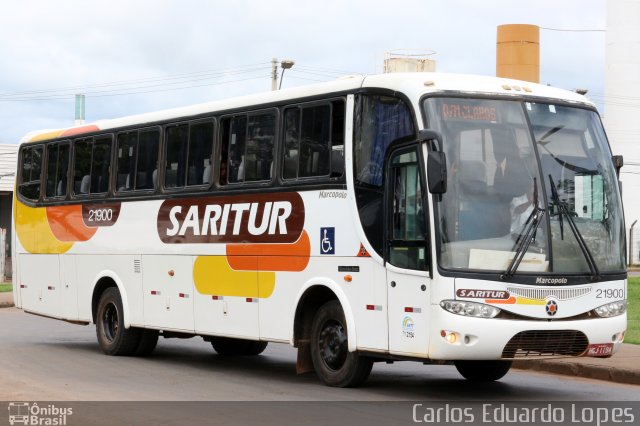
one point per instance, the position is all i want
(393, 283)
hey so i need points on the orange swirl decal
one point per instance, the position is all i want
(80, 222)
(74, 131)
(271, 257)
(67, 225)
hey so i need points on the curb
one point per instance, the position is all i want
(589, 371)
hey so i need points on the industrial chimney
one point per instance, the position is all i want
(518, 52)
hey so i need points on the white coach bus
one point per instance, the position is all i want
(420, 216)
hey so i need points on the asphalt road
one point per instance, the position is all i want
(48, 360)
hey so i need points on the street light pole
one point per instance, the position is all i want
(631, 242)
(286, 64)
(274, 74)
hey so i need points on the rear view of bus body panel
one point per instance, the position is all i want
(47, 285)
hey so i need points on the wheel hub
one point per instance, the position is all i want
(333, 345)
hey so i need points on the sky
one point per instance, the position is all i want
(134, 56)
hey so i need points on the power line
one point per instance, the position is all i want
(573, 30)
(102, 94)
(211, 72)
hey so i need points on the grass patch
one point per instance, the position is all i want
(633, 311)
(5, 288)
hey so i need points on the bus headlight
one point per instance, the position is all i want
(469, 309)
(612, 309)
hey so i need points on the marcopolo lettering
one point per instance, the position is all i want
(258, 218)
(543, 280)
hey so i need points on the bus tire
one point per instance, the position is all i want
(227, 346)
(148, 342)
(332, 361)
(483, 371)
(113, 338)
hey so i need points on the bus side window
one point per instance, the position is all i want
(31, 166)
(176, 156)
(407, 244)
(189, 148)
(127, 147)
(57, 168)
(82, 166)
(379, 120)
(383, 120)
(337, 138)
(258, 157)
(237, 136)
(314, 141)
(291, 143)
(200, 149)
(147, 161)
(100, 165)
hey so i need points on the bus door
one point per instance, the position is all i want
(408, 282)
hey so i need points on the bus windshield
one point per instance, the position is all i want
(517, 168)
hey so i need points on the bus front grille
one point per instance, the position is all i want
(535, 343)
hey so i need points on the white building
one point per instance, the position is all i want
(8, 161)
(622, 103)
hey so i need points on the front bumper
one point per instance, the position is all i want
(487, 338)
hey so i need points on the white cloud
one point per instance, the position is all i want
(52, 44)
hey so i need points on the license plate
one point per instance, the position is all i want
(600, 349)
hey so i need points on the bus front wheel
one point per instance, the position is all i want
(332, 361)
(483, 371)
(113, 338)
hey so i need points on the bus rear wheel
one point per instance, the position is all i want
(228, 347)
(332, 361)
(147, 343)
(113, 338)
(483, 371)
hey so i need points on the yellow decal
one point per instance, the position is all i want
(527, 301)
(34, 232)
(213, 275)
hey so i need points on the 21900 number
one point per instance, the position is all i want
(100, 215)
(610, 293)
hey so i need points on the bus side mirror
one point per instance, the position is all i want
(433, 136)
(618, 162)
(437, 172)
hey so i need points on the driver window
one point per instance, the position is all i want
(407, 245)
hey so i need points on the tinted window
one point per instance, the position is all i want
(137, 160)
(407, 245)
(188, 156)
(30, 176)
(82, 167)
(92, 166)
(247, 153)
(384, 119)
(57, 167)
(314, 141)
(100, 165)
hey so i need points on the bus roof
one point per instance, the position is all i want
(412, 85)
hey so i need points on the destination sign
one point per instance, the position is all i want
(452, 110)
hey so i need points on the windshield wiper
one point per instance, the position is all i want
(564, 211)
(527, 236)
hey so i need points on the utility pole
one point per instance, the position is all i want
(79, 109)
(274, 74)
(631, 244)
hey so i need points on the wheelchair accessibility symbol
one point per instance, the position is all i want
(327, 240)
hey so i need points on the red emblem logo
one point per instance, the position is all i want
(552, 308)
